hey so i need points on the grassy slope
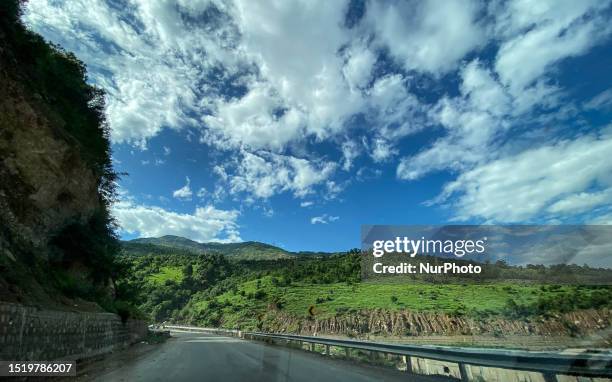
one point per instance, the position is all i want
(166, 273)
(284, 289)
(333, 298)
(242, 308)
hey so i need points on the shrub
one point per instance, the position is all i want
(260, 294)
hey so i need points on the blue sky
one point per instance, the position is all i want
(295, 122)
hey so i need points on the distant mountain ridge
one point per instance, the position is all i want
(248, 250)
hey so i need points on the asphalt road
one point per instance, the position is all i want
(202, 357)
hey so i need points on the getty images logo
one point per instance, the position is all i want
(412, 247)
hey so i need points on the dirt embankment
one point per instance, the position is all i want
(45, 184)
(380, 322)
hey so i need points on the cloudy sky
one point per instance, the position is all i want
(294, 122)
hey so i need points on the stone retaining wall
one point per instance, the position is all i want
(28, 333)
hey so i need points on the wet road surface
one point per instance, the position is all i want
(203, 357)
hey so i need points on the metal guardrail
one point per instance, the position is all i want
(179, 328)
(217, 331)
(548, 363)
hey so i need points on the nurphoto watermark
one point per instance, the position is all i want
(568, 254)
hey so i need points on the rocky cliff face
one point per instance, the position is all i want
(55, 169)
(44, 182)
(406, 323)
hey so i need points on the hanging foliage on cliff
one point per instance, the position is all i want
(52, 82)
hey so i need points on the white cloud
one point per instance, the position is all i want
(472, 121)
(162, 69)
(140, 60)
(270, 82)
(299, 61)
(546, 181)
(394, 111)
(204, 225)
(251, 121)
(350, 151)
(359, 65)
(300, 89)
(323, 219)
(202, 193)
(306, 203)
(492, 104)
(365, 174)
(482, 90)
(157, 65)
(602, 101)
(333, 189)
(426, 36)
(394, 114)
(265, 174)
(476, 122)
(581, 202)
(545, 33)
(381, 150)
(184, 193)
(220, 171)
(219, 193)
(604, 219)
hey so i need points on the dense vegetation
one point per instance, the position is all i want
(214, 291)
(168, 285)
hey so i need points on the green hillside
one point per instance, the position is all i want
(214, 291)
(248, 250)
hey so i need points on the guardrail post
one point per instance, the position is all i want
(463, 372)
(347, 351)
(312, 346)
(327, 350)
(549, 377)
(408, 361)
